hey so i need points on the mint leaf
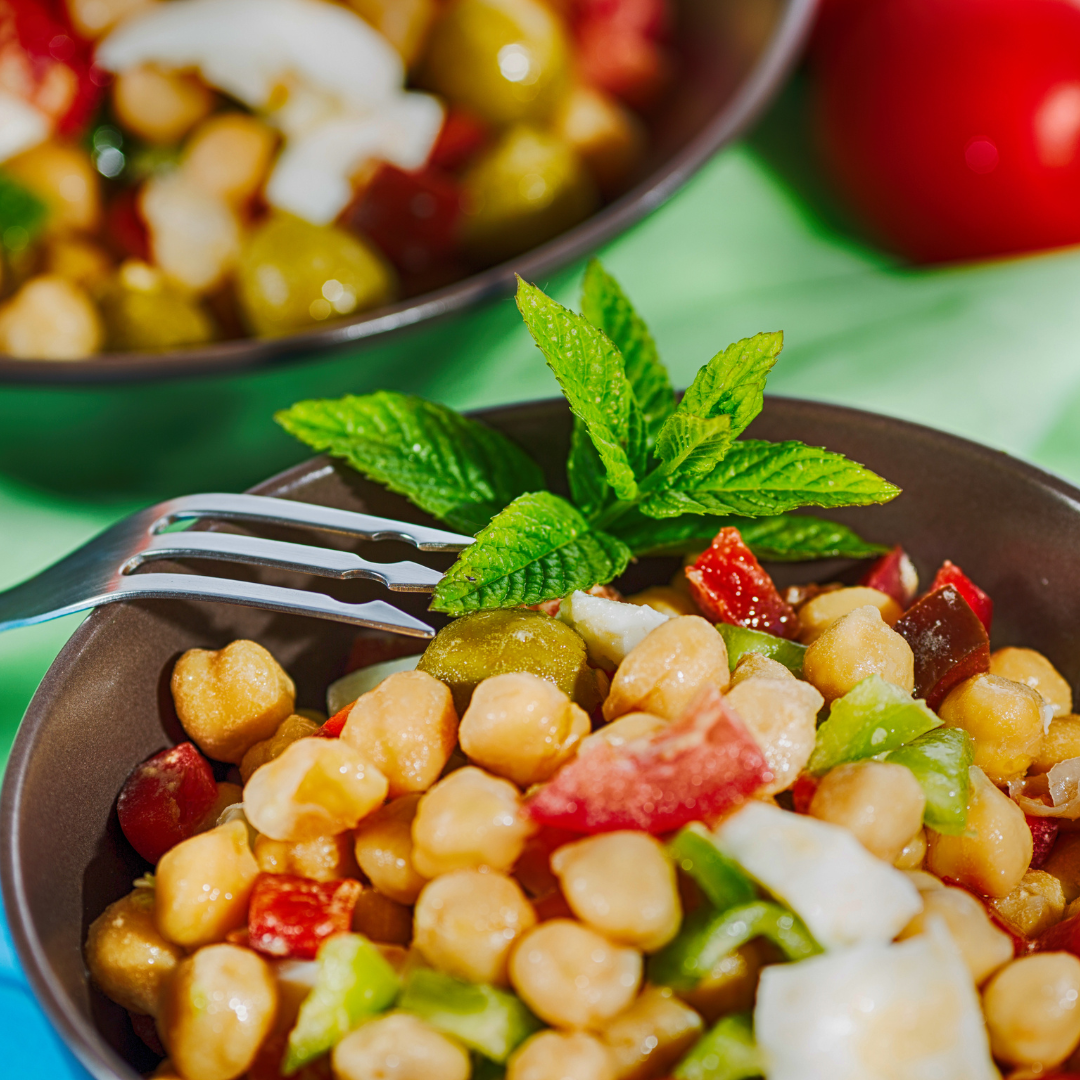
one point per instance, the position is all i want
(538, 548)
(733, 381)
(784, 538)
(585, 472)
(608, 308)
(456, 469)
(591, 373)
(689, 446)
(761, 479)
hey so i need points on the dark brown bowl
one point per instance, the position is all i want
(734, 56)
(104, 704)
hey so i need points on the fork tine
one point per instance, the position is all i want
(255, 550)
(289, 512)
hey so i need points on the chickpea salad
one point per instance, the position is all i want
(178, 172)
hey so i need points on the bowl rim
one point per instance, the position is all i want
(79, 1036)
(386, 323)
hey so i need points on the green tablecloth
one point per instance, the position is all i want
(990, 352)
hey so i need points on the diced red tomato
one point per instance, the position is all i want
(1064, 937)
(291, 916)
(1044, 833)
(461, 136)
(981, 604)
(624, 63)
(948, 640)
(413, 217)
(803, 791)
(332, 728)
(730, 586)
(166, 799)
(894, 574)
(695, 769)
(125, 227)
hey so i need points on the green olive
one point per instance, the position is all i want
(529, 187)
(505, 60)
(294, 275)
(486, 643)
(143, 312)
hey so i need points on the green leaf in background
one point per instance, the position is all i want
(940, 760)
(22, 214)
(690, 446)
(733, 382)
(591, 373)
(454, 468)
(762, 479)
(539, 548)
(585, 472)
(607, 307)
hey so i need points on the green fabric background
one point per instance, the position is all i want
(990, 352)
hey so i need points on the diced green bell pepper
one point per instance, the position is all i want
(486, 1019)
(721, 879)
(354, 981)
(870, 719)
(740, 641)
(707, 936)
(725, 1052)
(940, 761)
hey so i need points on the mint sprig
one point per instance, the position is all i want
(646, 474)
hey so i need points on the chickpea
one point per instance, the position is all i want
(856, 646)
(666, 600)
(404, 23)
(608, 138)
(194, 236)
(50, 318)
(64, 178)
(406, 727)
(160, 106)
(230, 699)
(216, 1011)
(819, 613)
(983, 947)
(127, 956)
(664, 673)
(381, 919)
(466, 923)
(567, 1055)
(628, 728)
(384, 850)
(288, 731)
(399, 1046)
(1064, 864)
(731, 984)
(573, 977)
(621, 884)
(522, 727)
(913, 853)
(228, 156)
(781, 714)
(1035, 905)
(993, 855)
(93, 18)
(1061, 742)
(317, 787)
(1032, 1009)
(82, 262)
(469, 819)
(1033, 669)
(881, 804)
(1004, 718)
(203, 886)
(652, 1035)
(755, 665)
(228, 794)
(326, 858)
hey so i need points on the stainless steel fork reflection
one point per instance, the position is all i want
(100, 572)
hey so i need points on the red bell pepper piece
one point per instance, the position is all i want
(894, 574)
(695, 769)
(730, 586)
(460, 138)
(980, 603)
(292, 916)
(803, 791)
(1044, 833)
(165, 800)
(333, 727)
(948, 640)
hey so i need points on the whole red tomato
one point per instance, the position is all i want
(952, 127)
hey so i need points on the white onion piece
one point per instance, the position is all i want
(844, 894)
(21, 125)
(874, 1012)
(349, 687)
(1061, 784)
(610, 628)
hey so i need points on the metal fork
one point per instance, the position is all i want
(100, 572)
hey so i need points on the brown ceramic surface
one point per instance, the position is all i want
(105, 704)
(734, 56)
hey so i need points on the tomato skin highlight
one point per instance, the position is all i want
(730, 585)
(291, 916)
(980, 603)
(695, 769)
(952, 127)
(165, 800)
